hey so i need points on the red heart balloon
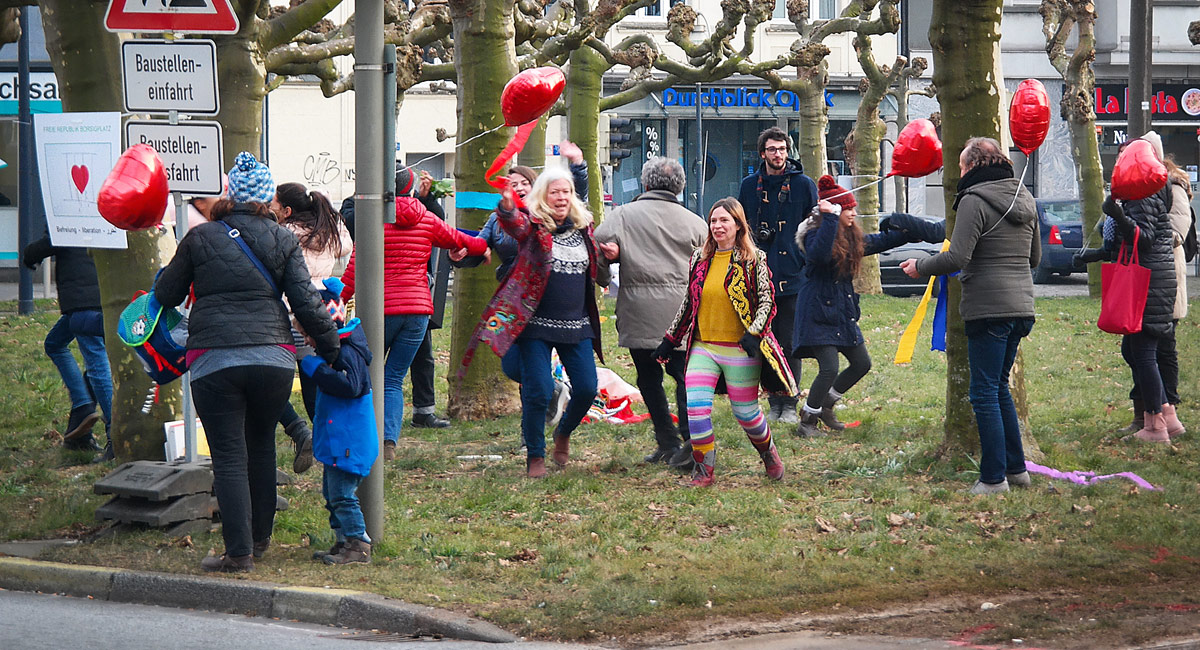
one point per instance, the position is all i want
(531, 93)
(1029, 115)
(1138, 172)
(918, 150)
(134, 195)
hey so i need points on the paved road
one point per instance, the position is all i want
(31, 621)
(45, 622)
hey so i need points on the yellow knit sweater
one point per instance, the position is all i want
(717, 321)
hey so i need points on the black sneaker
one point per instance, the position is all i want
(82, 444)
(661, 455)
(429, 421)
(81, 421)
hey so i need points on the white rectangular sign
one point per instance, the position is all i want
(164, 76)
(75, 153)
(190, 151)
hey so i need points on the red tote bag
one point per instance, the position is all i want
(1123, 289)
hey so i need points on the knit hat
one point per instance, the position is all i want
(250, 180)
(1155, 141)
(405, 180)
(331, 295)
(829, 190)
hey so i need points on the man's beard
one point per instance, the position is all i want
(776, 167)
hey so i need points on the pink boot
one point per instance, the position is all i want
(702, 471)
(1155, 430)
(1171, 421)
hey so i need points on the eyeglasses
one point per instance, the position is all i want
(776, 149)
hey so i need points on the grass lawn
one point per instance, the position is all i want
(609, 547)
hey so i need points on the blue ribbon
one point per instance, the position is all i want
(473, 233)
(938, 341)
(939, 316)
(476, 200)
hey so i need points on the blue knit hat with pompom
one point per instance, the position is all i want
(250, 180)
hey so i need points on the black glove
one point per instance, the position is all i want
(662, 353)
(1088, 255)
(1113, 209)
(915, 228)
(749, 343)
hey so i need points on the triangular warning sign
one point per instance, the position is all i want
(182, 16)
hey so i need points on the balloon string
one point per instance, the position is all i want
(860, 187)
(431, 157)
(1020, 184)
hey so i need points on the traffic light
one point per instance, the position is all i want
(616, 134)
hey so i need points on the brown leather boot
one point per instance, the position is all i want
(355, 551)
(562, 450)
(535, 467)
(828, 416)
(1171, 421)
(1139, 418)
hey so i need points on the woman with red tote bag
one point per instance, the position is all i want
(1146, 224)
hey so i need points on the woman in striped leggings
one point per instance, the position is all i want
(726, 327)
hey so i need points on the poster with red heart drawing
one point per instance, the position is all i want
(75, 153)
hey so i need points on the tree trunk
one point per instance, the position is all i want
(583, 116)
(485, 59)
(243, 87)
(965, 38)
(813, 122)
(1086, 150)
(534, 153)
(869, 131)
(86, 59)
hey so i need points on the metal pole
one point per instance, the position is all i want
(189, 413)
(370, 204)
(27, 164)
(700, 153)
(1141, 76)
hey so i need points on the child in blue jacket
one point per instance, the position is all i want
(345, 438)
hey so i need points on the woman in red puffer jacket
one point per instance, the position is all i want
(407, 303)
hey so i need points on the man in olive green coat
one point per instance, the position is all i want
(652, 239)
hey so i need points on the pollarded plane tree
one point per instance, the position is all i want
(1060, 20)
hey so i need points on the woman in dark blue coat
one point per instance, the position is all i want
(827, 309)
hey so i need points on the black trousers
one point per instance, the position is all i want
(239, 407)
(421, 372)
(1155, 365)
(783, 327)
(650, 383)
(827, 370)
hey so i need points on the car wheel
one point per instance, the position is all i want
(1042, 275)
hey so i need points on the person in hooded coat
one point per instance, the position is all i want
(994, 246)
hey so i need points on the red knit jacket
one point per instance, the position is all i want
(406, 248)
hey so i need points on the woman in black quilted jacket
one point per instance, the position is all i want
(1150, 219)
(241, 355)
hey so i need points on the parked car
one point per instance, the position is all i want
(1061, 225)
(894, 281)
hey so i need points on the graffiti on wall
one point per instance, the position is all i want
(323, 170)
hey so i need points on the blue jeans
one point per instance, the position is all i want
(345, 516)
(86, 328)
(402, 335)
(991, 349)
(528, 363)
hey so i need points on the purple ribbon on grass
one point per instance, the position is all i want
(1087, 478)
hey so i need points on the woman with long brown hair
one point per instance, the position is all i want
(725, 325)
(827, 309)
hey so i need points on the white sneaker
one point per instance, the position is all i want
(1019, 480)
(558, 403)
(988, 488)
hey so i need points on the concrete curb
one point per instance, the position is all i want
(341, 607)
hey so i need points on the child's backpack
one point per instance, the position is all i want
(157, 335)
